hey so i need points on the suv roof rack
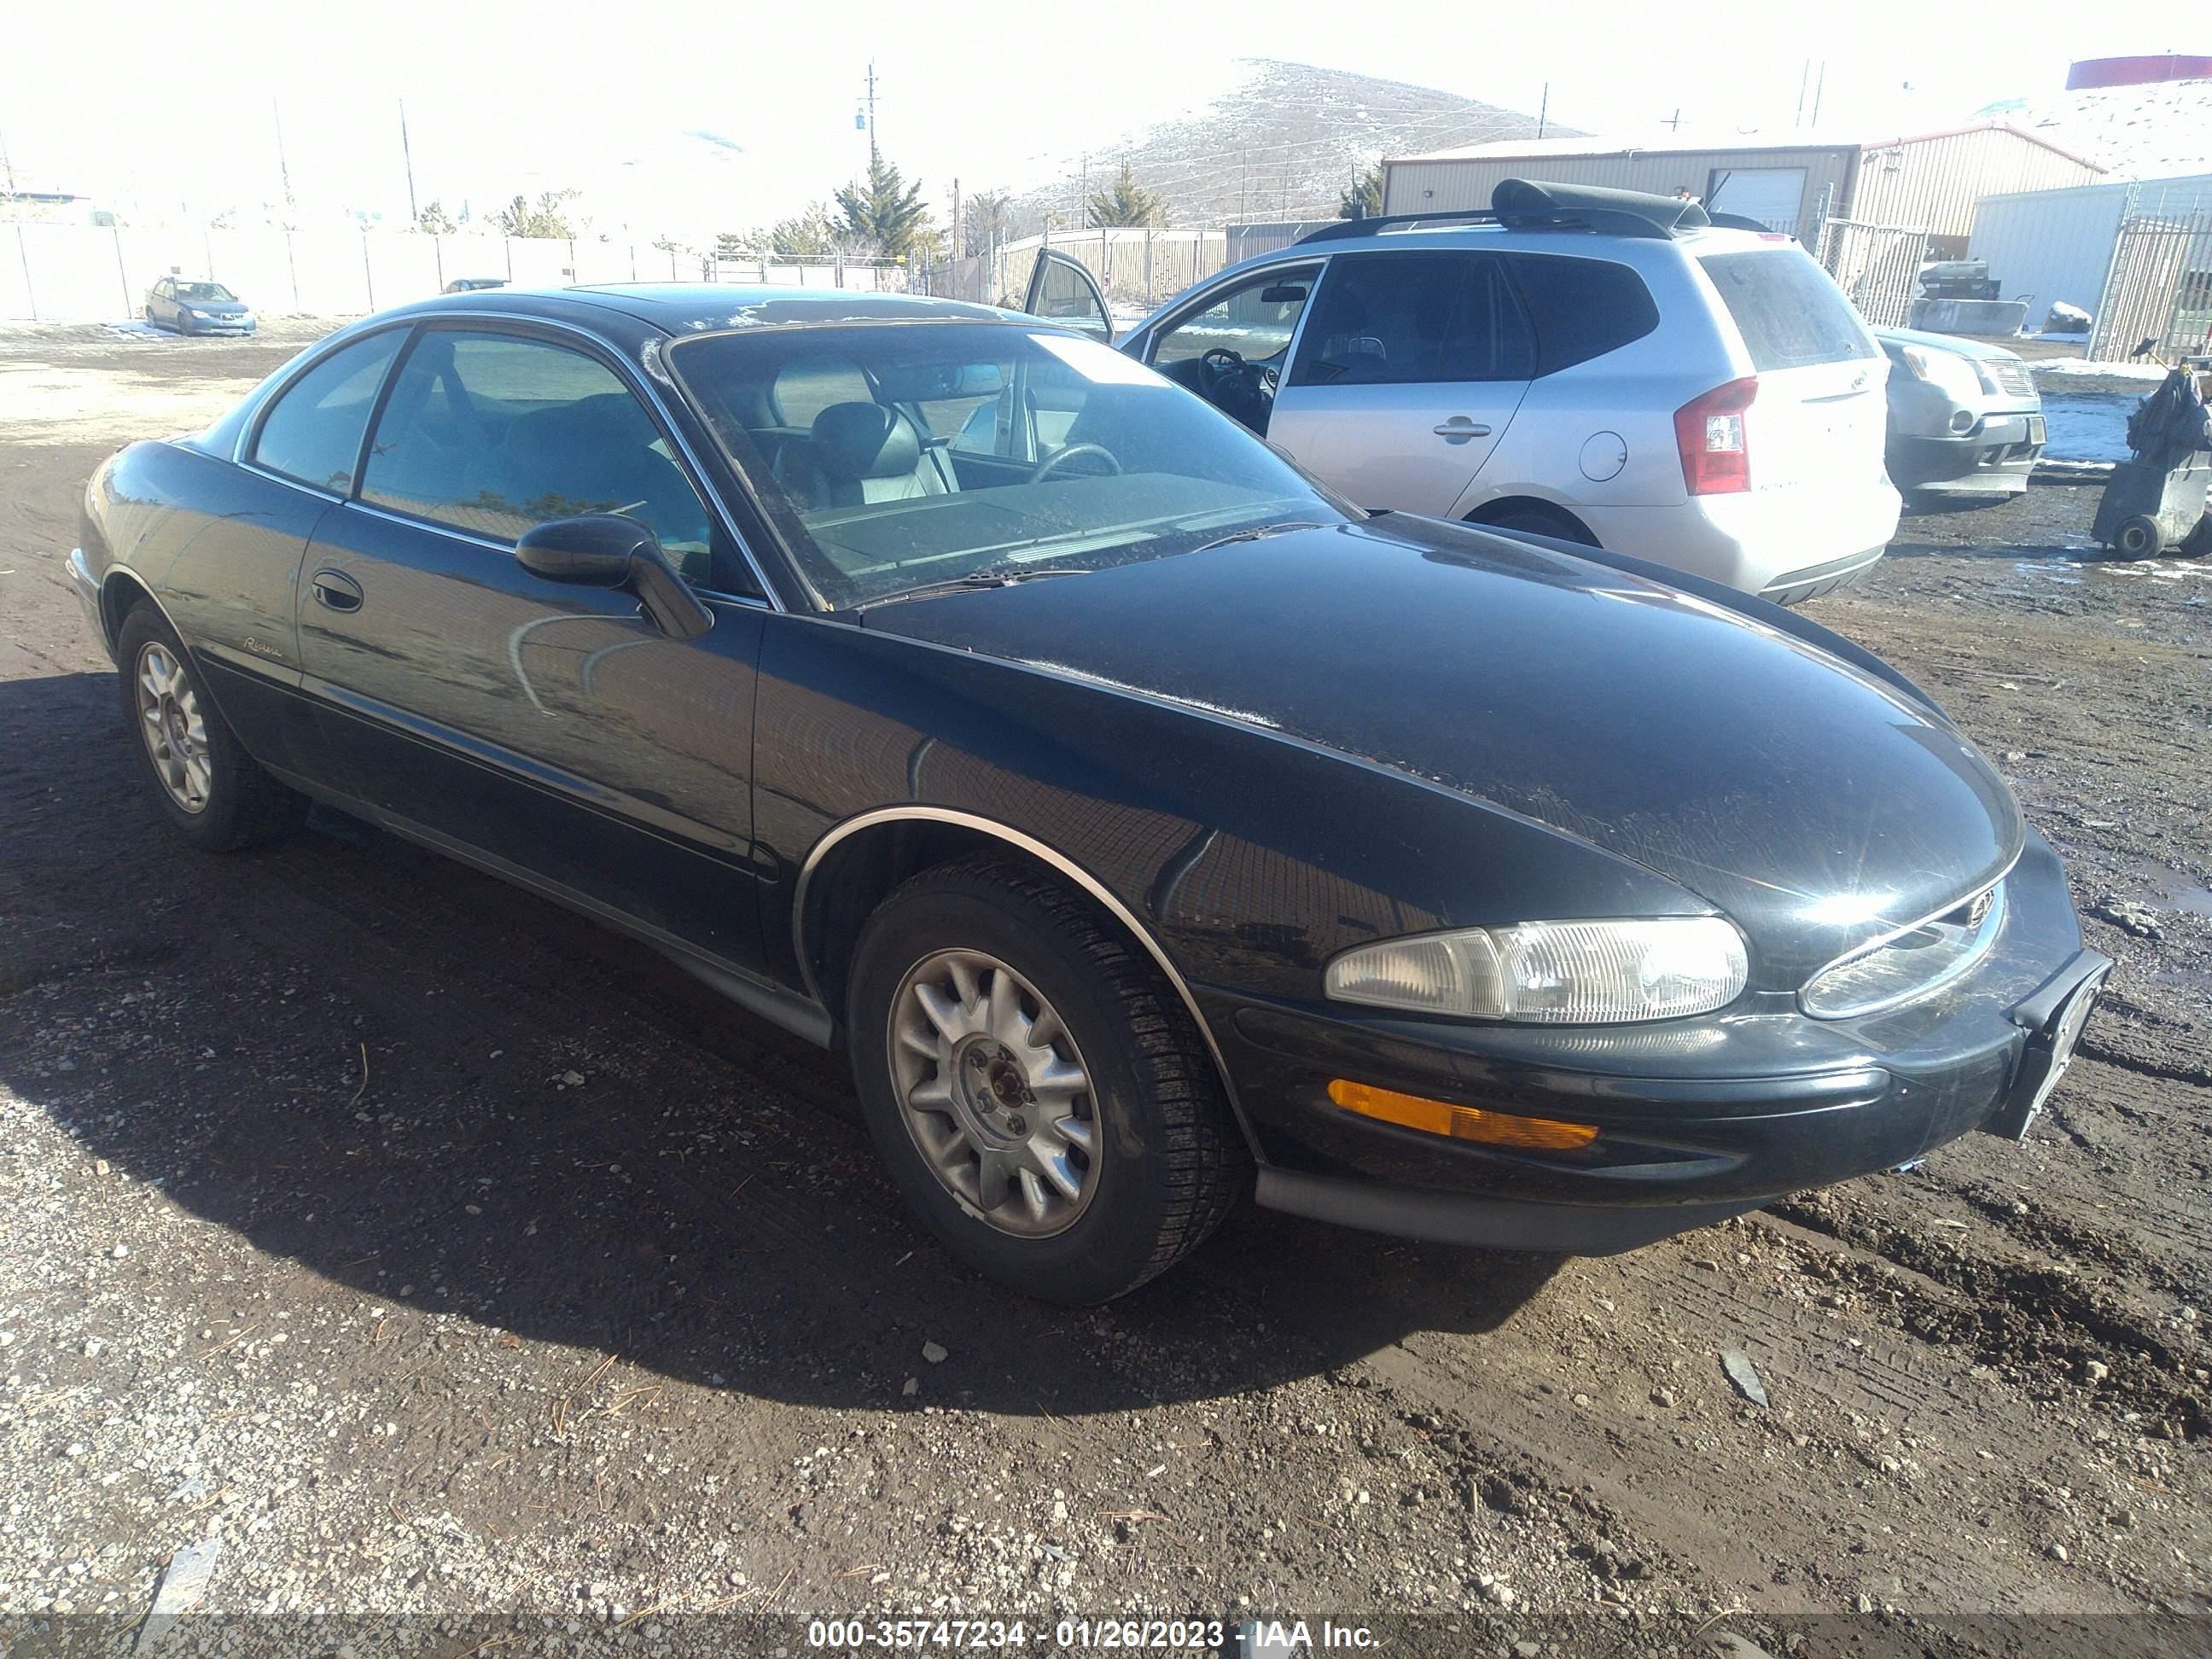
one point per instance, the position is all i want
(1344, 227)
(1524, 205)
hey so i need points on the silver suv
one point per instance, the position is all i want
(1599, 365)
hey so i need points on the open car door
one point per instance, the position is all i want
(1061, 290)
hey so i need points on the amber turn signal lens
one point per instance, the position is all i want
(1441, 1117)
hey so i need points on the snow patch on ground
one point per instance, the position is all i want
(2108, 371)
(2087, 426)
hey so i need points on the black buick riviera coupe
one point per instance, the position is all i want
(1147, 825)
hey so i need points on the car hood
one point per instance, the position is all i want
(1958, 344)
(1815, 801)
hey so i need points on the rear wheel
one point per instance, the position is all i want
(1042, 1098)
(1542, 521)
(209, 787)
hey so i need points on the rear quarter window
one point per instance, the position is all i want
(1581, 308)
(1791, 313)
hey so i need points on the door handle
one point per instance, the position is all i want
(1461, 429)
(337, 590)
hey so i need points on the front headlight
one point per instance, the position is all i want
(1910, 966)
(1558, 973)
(1946, 371)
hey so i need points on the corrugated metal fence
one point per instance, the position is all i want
(2158, 293)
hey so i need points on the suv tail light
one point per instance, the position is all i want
(1708, 430)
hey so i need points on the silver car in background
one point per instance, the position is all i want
(1597, 365)
(1964, 418)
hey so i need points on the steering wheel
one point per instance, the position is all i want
(1052, 462)
(1221, 367)
(1238, 388)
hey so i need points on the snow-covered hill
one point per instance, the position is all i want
(1279, 144)
(2150, 131)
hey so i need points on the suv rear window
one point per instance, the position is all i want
(1582, 308)
(1789, 314)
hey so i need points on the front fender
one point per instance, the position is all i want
(1250, 857)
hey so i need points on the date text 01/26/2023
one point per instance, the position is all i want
(1254, 1638)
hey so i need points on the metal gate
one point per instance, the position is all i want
(1877, 266)
(2158, 291)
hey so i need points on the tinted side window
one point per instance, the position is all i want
(313, 433)
(1395, 318)
(1790, 312)
(1582, 308)
(494, 433)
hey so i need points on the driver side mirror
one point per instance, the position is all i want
(609, 550)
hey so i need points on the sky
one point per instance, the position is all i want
(681, 117)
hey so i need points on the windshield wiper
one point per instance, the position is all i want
(973, 580)
(1258, 534)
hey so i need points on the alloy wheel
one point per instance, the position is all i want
(170, 721)
(994, 1093)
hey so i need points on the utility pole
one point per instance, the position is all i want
(1804, 80)
(1674, 123)
(1543, 108)
(957, 248)
(283, 167)
(872, 106)
(1817, 85)
(407, 154)
(7, 165)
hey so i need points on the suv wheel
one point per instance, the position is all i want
(1042, 1098)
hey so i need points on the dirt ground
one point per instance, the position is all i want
(437, 1252)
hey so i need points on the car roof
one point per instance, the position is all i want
(681, 308)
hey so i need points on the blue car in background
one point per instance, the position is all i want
(190, 307)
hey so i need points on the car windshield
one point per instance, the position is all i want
(894, 458)
(206, 292)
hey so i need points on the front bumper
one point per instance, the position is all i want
(1992, 458)
(1698, 1118)
(86, 586)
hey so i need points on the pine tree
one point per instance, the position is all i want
(885, 211)
(1363, 198)
(549, 218)
(989, 217)
(1128, 203)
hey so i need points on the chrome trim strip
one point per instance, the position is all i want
(433, 526)
(1992, 926)
(261, 472)
(1966, 897)
(1029, 844)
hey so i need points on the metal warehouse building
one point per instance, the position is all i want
(1930, 182)
(2048, 245)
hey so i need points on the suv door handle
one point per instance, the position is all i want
(1461, 428)
(337, 590)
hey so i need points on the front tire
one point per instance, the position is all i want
(208, 786)
(1041, 1097)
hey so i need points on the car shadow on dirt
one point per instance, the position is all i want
(440, 1092)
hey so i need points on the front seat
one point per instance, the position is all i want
(859, 453)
